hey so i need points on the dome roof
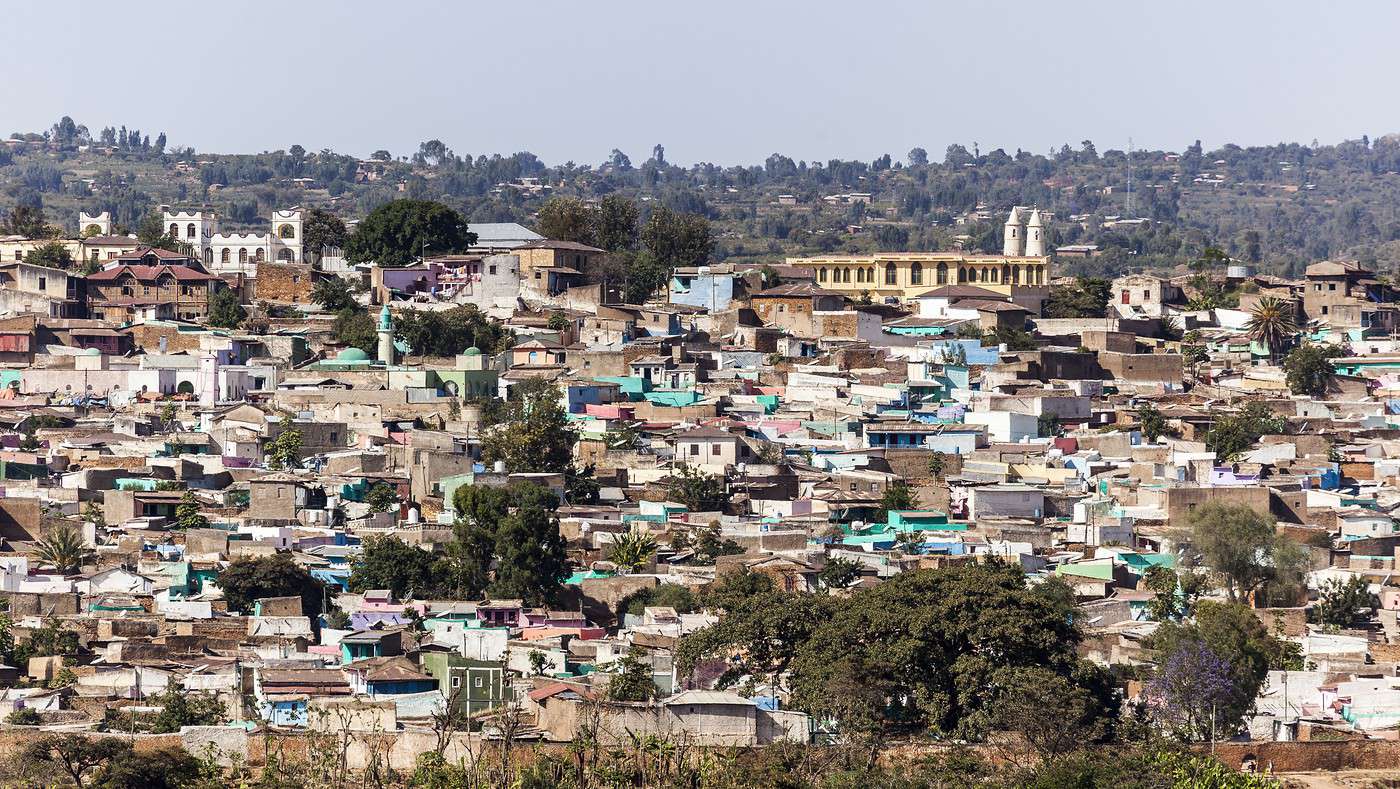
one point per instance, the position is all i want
(352, 355)
(472, 351)
(92, 352)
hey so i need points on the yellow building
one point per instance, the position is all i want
(905, 275)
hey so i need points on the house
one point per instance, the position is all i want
(548, 268)
(151, 281)
(28, 288)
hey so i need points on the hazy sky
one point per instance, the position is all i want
(720, 81)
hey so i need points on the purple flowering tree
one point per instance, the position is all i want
(1193, 690)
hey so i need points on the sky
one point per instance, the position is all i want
(715, 81)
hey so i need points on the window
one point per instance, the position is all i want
(43, 283)
(694, 450)
(296, 279)
(714, 449)
(942, 274)
(916, 274)
(782, 308)
(19, 255)
(1324, 310)
(1126, 297)
(845, 275)
(189, 230)
(891, 274)
(537, 275)
(476, 682)
(821, 274)
(456, 682)
(1147, 294)
(174, 230)
(242, 257)
(493, 269)
(224, 257)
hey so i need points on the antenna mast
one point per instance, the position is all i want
(1129, 210)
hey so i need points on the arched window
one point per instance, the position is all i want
(962, 274)
(986, 274)
(821, 274)
(1039, 272)
(916, 274)
(942, 273)
(189, 230)
(287, 255)
(1015, 275)
(224, 256)
(260, 256)
(242, 257)
(174, 230)
(860, 275)
(208, 256)
(1005, 273)
(286, 231)
(845, 275)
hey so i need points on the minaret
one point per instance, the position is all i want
(1035, 241)
(1011, 241)
(386, 336)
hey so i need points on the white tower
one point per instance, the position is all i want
(1012, 236)
(1035, 240)
(386, 336)
(94, 224)
(286, 235)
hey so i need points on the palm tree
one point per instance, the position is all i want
(64, 549)
(1272, 323)
(631, 551)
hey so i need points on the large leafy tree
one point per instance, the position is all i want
(28, 221)
(1086, 298)
(677, 239)
(566, 219)
(333, 294)
(354, 328)
(615, 223)
(451, 331)
(1233, 434)
(188, 515)
(507, 543)
(224, 310)
(698, 491)
(389, 563)
(1243, 547)
(1272, 323)
(321, 229)
(1308, 368)
(1343, 603)
(897, 496)
(53, 254)
(246, 580)
(535, 435)
(399, 232)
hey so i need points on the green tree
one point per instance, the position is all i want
(188, 515)
(389, 563)
(531, 557)
(676, 239)
(321, 229)
(382, 497)
(28, 221)
(181, 707)
(1272, 323)
(76, 756)
(937, 464)
(24, 716)
(645, 275)
(354, 328)
(1342, 604)
(897, 496)
(698, 491)
(566, 219)
(333, 294)
(399, 232)
(615, 223)
(151, 232)
(247, 580)
(536, 435)
(632, 549)
(1174, 593)
(451, 331)
(839, 573)
(1087, 298)
(1243, 546)
(1308, 368)
(63, 548)
(631, 680)
(163, 768)
(284, 450)
(53, 254)
(1151, 421)
(1234, 434)
(1013, 339)
(224, 310)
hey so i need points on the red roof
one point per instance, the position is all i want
(152, 273)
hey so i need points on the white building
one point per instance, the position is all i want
(238, 253)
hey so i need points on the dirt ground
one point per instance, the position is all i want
(1346, 779)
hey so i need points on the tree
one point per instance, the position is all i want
(247, 580)
(151, 232)
(1087, 298)
(1151, 421)
(77, 755)
(531, 557)
(333, 294)
(188, 515)
(321, 229)
(1271, 322)
(53, 254)
(284, 451)
(698, 491)
(1174, 593)
(937, 463)
(224, 310)
(1243, 547)
(354, 328)
(897, 496)
(28, 221)
(1013, 339)
(1309, 369)
(1233, 434)
(389, 563)
(632, 549)
(1342, 604)
(400, 231)
(1191, 691)
(676, 239)
(631, 680)
(24, 716)
(64, 549)
(839, 573)
(451, 331)
(645, 275)
(918, 157)
(566, 219)
(162, 768)
(382, 497)
(181, 707)
(615, 224)
(1053, 713)
(536, 435)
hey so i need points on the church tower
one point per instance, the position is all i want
(1011, 236)
(386, 336)
(1035, 237)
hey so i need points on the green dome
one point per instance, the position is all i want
(92, 352)
(352, 355)
(472, 351)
